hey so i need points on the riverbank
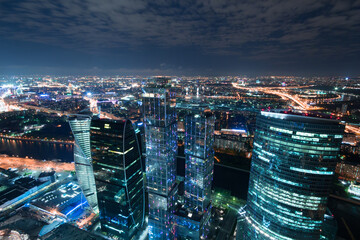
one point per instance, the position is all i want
(28, 139)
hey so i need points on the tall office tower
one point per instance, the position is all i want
(159, 103)
(118, 176)
(80, 127)
(199, 163)
(193, 219)
(293, 163)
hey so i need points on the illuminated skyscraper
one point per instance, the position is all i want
(192, 220)
(80, 127)
(118, 176)
(293, 163)
(199, 163)
(159, 103)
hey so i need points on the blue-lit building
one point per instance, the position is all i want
(192, 219)
(158, 101)
(190, 224)
(80, 127)
(118, 176)
(293, 163)
(199, 159)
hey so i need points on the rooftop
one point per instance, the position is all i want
(67, 231)
(306, 117)
(186, 213)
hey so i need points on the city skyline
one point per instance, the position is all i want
(216, 153)
(180, 120)
(180, 38)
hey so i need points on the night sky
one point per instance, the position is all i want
(218, 37)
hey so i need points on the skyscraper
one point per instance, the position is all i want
(159, 103)
(193, 218)
(118, 175)
(199, 163)
(80, 127)
(293, 162)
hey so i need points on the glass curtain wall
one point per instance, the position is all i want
(293, 163)
(119, 177)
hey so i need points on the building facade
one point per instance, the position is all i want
(199, 160)
(191, 224)
(118, 176)
(159, 111)
(293, 163)
(193, 218)
(80, 127)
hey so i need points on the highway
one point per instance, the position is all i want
(302, 105)
(353, 129)
(33, 164)
(61, 113)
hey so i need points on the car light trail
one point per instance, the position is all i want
(33, 164)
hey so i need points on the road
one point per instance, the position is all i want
(353, 129)
(349, 200)
(21, 163)
(37, 140)
(301, 103)
(227, 226)
(281, 93)
(7, 107)
(43, 109)
(347, 216)
(61, 113)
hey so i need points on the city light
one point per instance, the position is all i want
(171, 120)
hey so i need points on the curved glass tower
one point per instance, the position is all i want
(293, 162)
(80, 127)
(119, 177)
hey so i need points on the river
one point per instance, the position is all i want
(37, 150)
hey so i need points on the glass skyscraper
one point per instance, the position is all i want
(192, 219)
(80, 127)
(199, 162)
(159, 103)
(293, 163)
(119, 178)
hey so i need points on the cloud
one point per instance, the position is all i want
(46, 70)
(254, 29)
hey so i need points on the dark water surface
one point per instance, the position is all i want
(36, 150)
